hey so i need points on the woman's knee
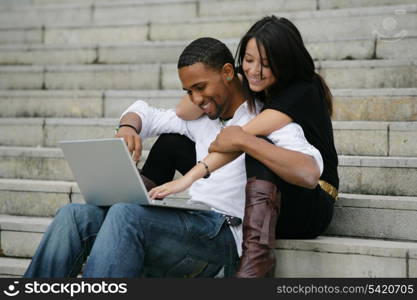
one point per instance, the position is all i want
(169, 141)
(81, 219)
(255, 168)
(73, 209)
(80, 213)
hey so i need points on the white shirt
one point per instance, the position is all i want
(224, 190)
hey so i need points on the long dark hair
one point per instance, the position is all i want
(287, 56)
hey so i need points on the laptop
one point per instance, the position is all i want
(106, 174)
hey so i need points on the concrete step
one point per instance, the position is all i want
(335, 4)
(321, 257)
(87, 14)
(81, 77)
(355, 215)
(37, 163)
(6, 4)
(384, 22)
(119, 12)
(359, 174)
(388, 48)
(80, 104)
(377, 175)
(49, 132)
(39, 54)
(169, 51)
(246, 7)
(388, 138)
(20, 236)
(349, 104)
(23, 16)
(314, 25)
(358, 74)
(230, 4)
(375, 138)
(375, 105)
(372, 216)
(13, 267)
(345, 257)
(42, 198)
(35, 198)
(369, 74)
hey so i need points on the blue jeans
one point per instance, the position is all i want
(129, 240)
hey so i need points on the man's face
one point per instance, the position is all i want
(206, 88)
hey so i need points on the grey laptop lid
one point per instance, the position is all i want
(106, 174)
(104, 171)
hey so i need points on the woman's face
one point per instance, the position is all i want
(252, 65)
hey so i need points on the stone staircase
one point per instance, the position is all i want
(69, 68)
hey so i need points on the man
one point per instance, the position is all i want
(129, 240)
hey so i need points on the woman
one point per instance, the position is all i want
(278, 70)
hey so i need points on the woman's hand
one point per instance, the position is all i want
(172, 187)
(228, 140)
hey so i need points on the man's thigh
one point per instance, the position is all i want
(181, 243)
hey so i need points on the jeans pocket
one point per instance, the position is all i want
(188, 267)
(215, 228)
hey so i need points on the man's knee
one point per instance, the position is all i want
(125, 212)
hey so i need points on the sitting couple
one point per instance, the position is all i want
(262, 152)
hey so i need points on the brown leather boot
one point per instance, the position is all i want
(261, 215)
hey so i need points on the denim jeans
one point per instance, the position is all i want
(129, 240)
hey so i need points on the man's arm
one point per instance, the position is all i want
(148, 121)
(294, 167)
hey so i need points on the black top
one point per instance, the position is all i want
(305, 104)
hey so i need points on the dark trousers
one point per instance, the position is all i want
(305, 213)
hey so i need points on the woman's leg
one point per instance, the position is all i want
(169, 153)
(263, 201)
(303, 213)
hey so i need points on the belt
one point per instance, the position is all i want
(232, 221)
(328, 188)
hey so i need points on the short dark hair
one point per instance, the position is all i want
(209, 51)
(287, 56)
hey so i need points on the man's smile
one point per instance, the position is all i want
(206, 105)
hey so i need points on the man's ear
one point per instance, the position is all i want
(228, 72)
